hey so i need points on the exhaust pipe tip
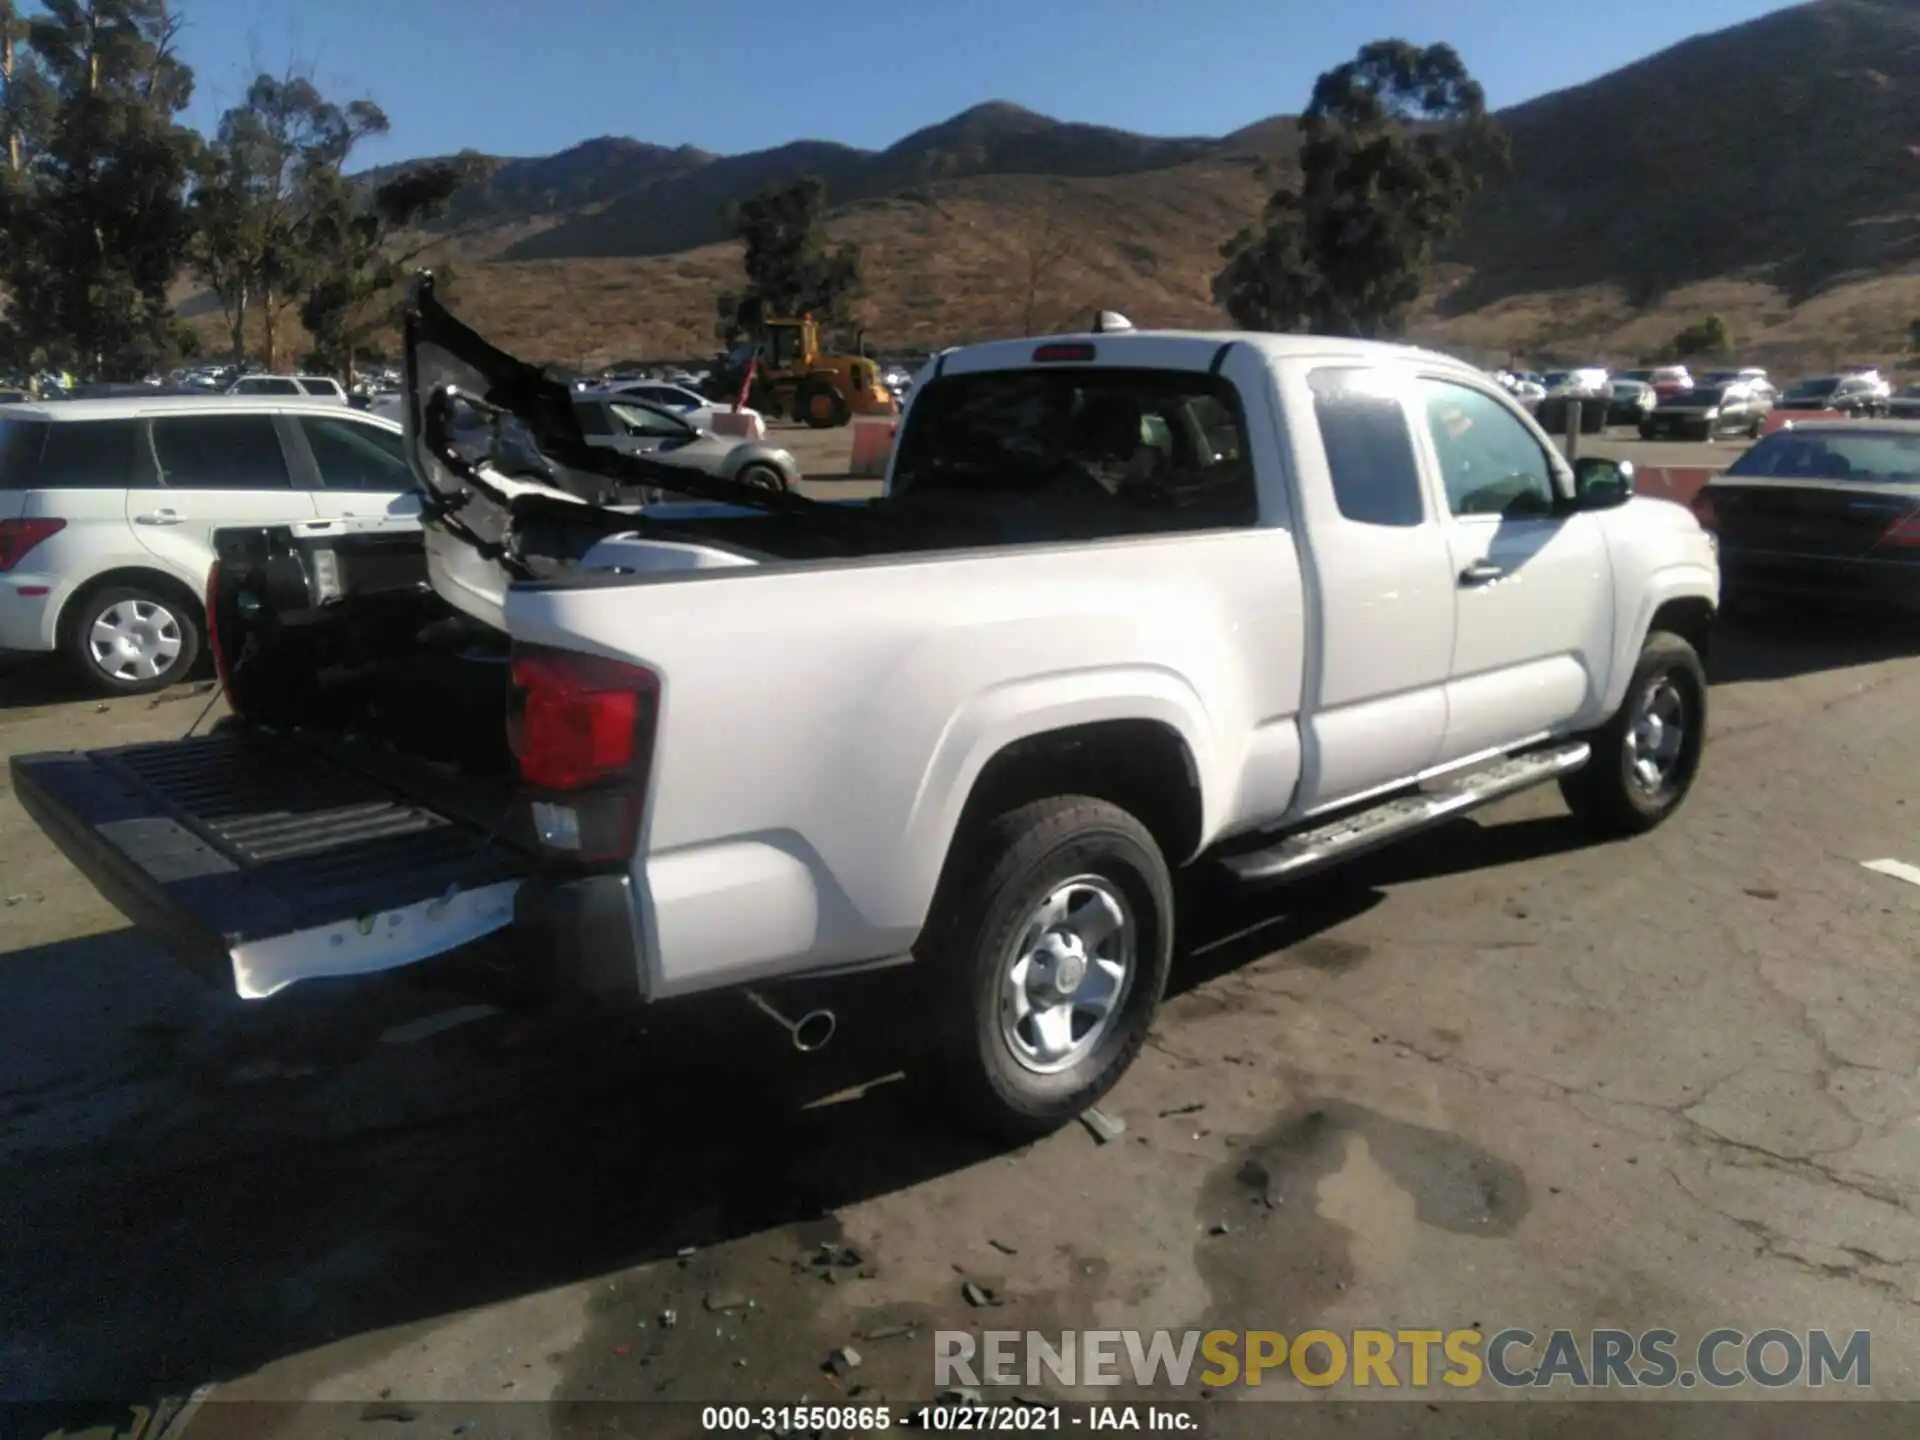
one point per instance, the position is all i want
(813, 1030)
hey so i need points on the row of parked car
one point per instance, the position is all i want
(1670, 402)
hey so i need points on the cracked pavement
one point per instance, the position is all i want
(1669, 1082)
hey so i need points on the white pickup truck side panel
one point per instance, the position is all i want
(868, 697)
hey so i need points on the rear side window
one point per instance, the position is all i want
(92, 455)
(220, 452)
(1093, 451)
(593, 419)
(266, 387)
(357, 457)
(1363, 427)
(326, 389)
(20, 452)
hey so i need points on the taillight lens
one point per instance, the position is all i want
(17, 537)
(581, 729)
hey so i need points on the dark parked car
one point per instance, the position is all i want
(1632, 402)
(1588, 386)
(1852, 395)
(1706, 412)
(1828, 510)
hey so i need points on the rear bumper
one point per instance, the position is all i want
(258, 864)
(29, 621)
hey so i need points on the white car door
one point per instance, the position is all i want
(1376, 554)
(1533, 586)
(357, 469)
(215, 469)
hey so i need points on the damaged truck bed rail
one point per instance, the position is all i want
(452, 373)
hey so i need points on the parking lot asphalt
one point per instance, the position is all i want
(1497, 1077)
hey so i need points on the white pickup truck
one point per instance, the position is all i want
(1130, 602)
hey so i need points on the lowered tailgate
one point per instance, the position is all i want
(258, 862)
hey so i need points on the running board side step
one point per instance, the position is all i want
(1311, 850)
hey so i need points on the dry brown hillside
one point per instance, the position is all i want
(1769, 172)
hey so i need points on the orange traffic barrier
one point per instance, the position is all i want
(744, 424)
(1778, 419)
(1678, 483)
(872, 447)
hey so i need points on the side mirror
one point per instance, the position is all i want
(1600, 483)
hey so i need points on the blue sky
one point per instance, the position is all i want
(527, 77)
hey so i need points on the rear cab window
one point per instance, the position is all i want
(1106, 451)
(1369, 447)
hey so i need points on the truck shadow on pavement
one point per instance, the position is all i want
(197, 1188)
(1777, 644)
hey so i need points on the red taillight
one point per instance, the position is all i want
(1903, 532)
(581, 730)
(17, 537)
(1051, 354)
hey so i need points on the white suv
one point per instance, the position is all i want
(108, 508)
(291, 387)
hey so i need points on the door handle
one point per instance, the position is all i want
(1482, 572)
(158, 517)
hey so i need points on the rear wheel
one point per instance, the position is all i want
(129, 640)
(1047, 955)
(1646, 757)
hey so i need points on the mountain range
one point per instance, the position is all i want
(1769, 172)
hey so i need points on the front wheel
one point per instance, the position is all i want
(763, 477)
(1047, 954)
(1646, 757)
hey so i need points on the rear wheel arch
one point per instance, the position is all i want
(1146, 767)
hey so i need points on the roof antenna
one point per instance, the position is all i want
(1110, 320)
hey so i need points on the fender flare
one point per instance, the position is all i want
(1682, 580)
(995, 718)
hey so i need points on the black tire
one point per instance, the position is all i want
(1606, 793)
(162, 624)
(762, 477)
(998, 877)
(821, 406)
